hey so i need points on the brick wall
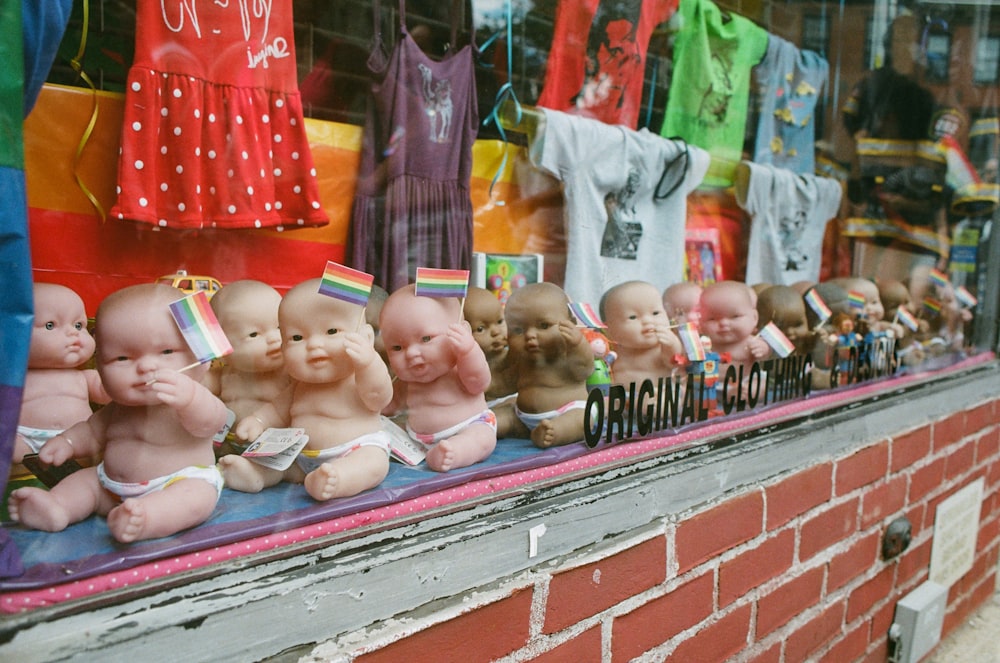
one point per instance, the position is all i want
(785, 571)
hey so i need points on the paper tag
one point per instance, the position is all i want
(220, 437)
(402, 446)
(277, 448)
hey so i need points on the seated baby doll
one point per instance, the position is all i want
(895, 296)
(338, 388)
(783, 306)
(553, 360)
(254, 373)
(729, 319)
(432, 351)
(639, 330)
(484, 313)
(680, 301)
(57, 392)
(158, 473)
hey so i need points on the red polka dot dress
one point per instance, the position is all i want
(213, 135)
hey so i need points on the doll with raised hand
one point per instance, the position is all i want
(895, 298)
(158, 473)
(729, 318)
(254, 373)
(680, 301)
(484, 313)
(433, 352)
(553, 359)
(337, 390)
(639, 329)
(784, 306)
(57, 392)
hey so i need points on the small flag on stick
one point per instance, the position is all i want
(344, 283)
(907, 319)
(818, 306)
(691, 341)
(932, 305)
(855, 299)
(965, 298)
(201, 329)
(776, 338)
(938, 278)
(586, 315)
(433, 282)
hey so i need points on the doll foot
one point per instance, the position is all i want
(441, 457)
(35, 508)
(544, 434)
(240, 474)
(323, 483)
(127, 521)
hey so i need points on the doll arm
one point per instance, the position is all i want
(670, 346)
(758, 347)
(81, 440)
(272, 415)
(579, 354)
(370, 373)
(95, 388)
(470, 362)
(201, 413)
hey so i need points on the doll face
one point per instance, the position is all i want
(727, 313)
(680, 301)
(250, 322)
(485, 315)
(533, 321)
(312, 334)
(59, 337)
(873, 310)
(792, 321)
(138, 337)
(634, 314)
(415, 330)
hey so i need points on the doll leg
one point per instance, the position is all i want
(348, 475)
(508, 425)
(70, 501)
(471, 445)
(561, 429)
(246, 476)
(180, 505)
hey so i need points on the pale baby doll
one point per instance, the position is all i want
(680, 301)
(158, 473)
(553, 359)
(432, 351)
(729, 319)
(783, 306)
(639, 330)
(871, 317)
(338, 388)
(254, 373)
(57, 392)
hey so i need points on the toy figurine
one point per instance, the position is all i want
(433, 352)
(604, 358)
(338, 388)
(895, 298)
(253, 374)
(729, 318)
(57, 392)
(680, 301)
(639, 330)
(553, 360)
(158, 474)
(783, 306)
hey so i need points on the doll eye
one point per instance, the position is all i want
(544, 325)
(78, 326)
(50, 325)
(633, 317)
(254, 334)
(296, 337)
(480, 329)
(167, 351)
(396, 348)
(426, 339)
(331, 331)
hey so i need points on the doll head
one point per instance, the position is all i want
(484, 314)
(834, 296)
(248, 313)
(680, 301)
(312, 333)
(783, 306)
(136, 337)
(533, 315)
(873, 310)
(728, 313)
(59, 336)
(415, 330)
(893, 294)
(634, 312)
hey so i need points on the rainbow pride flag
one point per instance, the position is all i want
(201, 329)
(932, 305)
(586, 315)
(818, 306)
(776, 338)
(433, 282)
(965, 298)
(855, 299)
(938, 278)
(344, 283)
(691, 341)
(907, 319)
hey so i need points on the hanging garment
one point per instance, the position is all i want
(412, 206)
(597, 62)
(213, 135)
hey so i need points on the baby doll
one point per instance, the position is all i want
(553, 360)
(433, 352)
(639, 330)
(338, 388)
(484, 313)
(895, 296)
(871, 318)
(57, 393)
(253, 374)
(783, 306)
(680, 301)
(158, 473)
(729, 318)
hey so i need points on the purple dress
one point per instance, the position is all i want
(412, 206)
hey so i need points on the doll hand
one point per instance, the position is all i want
(668, 340)
(173, 388)
(249, 428)
(359, 349)
(460, 336)
(569, 332)
(758, 347)
(56, 451)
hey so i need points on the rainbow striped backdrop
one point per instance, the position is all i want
(201, 329)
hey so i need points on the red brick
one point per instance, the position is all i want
(862, 468)
(827, 528)
(915, 561)
(959, 460)
(870, 594)
(584, 648)
(949, 430)
(711, 532)
(882, 501)
(798, 493)
(881, 652)
(506, 622)
(755, 567)
(915, 515)
(959, 611)
(993, 474)
(855, 562)
(882, 620)
(716, 642)
(662, 618)
(987, 448)
(789, 600)
(980, 417)
(910, 447)
(587, 590)
(815, 633)
(924, 480)
(988, 532)
(770, 655)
